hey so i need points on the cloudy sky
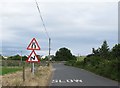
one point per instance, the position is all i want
(78, 25)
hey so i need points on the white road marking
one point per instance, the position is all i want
(77, 80)
(61, 81)
(67, 81)
(54, 81)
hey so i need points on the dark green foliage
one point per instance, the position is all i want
(70, 62)
(16, 57)
(63, 54)
(96, 52)
(24, 58)
(104, 50)
(80, 64)
(93, 60)
(102, 61)
(116, 51)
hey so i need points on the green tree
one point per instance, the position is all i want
(104, 50)
(116, 58)
(64, 54)
(116, 51)
(96, 52)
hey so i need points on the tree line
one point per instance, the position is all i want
(103, 60)
(16, 57)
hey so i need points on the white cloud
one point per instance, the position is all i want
(59, 1)
(64, 20)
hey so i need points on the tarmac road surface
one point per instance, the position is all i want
(70, 76)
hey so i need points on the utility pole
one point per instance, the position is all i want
(49, 51)
(49, 45)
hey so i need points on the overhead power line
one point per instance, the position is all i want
(44, 26)
(42, 19)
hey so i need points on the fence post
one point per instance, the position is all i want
(23, 73)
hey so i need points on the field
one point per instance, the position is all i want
(6, 70)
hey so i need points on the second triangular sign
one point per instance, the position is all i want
(33, 45)
(33, 57)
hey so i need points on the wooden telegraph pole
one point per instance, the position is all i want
(49, 51)
(49, 45)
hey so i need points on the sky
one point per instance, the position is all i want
(78, 25)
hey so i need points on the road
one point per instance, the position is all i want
(71, 76)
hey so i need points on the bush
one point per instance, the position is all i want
(93, 60)
(79, 64)
(102, 61)
(70, 62)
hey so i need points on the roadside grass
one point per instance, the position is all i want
(40, 78)
(80, 58)
(75, 62)
(7, 70)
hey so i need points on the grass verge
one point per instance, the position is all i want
(40, 78)
(6, 70)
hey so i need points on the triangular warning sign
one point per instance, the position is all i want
(33, 45)
(33, 57)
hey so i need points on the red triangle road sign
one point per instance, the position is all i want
(33, 45)
(33, 57)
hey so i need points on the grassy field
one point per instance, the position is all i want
(6, 70)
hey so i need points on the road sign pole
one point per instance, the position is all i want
(33, 68)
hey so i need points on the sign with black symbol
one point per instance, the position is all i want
(33, 45)
(33, 57)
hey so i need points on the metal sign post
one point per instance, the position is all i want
(33, 68)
